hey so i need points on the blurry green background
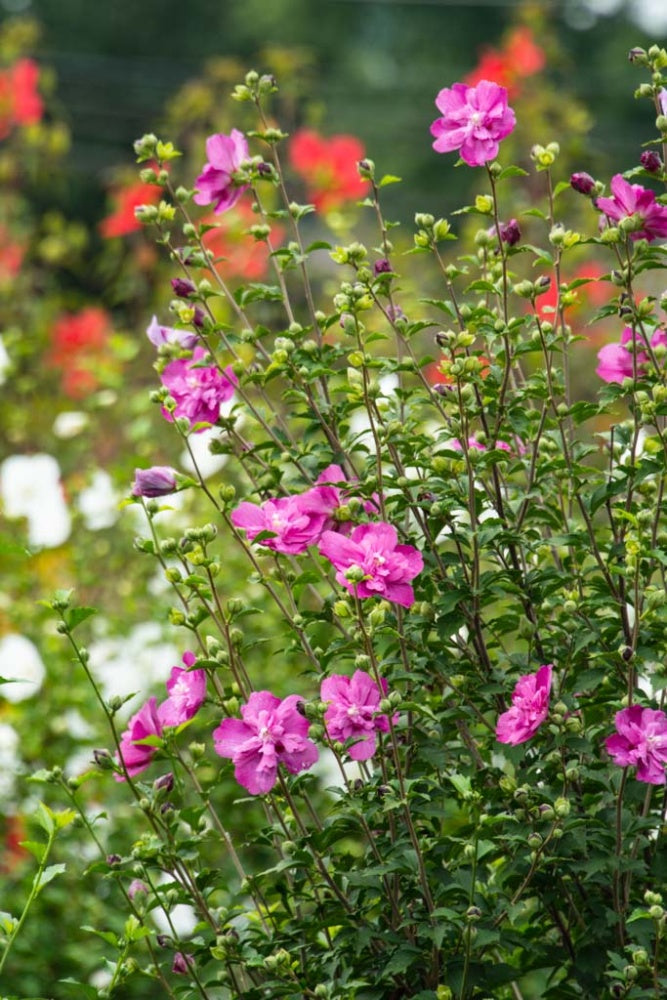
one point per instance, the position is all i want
(376, 66)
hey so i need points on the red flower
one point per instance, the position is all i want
(245, 257)
(20, 102)
(329, 167)
(519, 58)
(122, 220)
(78, 342)
(11, 256)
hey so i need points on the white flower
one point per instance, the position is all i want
(20, 663)
(30, 487)
(98, 503)
(10, 761)
(5, 362)
(69, 423)
(207, 463)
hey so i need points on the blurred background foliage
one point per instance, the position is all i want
(79, 281)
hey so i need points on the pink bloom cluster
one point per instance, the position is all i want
(298, 521)
(474, 121)
(616, 360)
(199, 390)
(370, 563)
(353, 712)
(271, 732)
(216, 185)
(640, 741)
(628, 200)
(186, 689)
(530, 707)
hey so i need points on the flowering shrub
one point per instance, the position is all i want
(455, 588)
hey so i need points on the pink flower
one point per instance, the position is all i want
(271, 732)
(158, 481)
(199, 390)
(136, 757)
(181, 964)
(296, 521)
(371, 563)
(640, 740)
(474, 121)
(334, 490)
(616, 361)
(216, 184)
(136, 888)
(159, 335)
(187, 690)
(634, 200)
(530, 707)
(353, 711)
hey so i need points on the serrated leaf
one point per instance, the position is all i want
(49, 873)
(107, 936)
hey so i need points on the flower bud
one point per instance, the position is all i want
(650, 161)
(510, 232)
(582, 182)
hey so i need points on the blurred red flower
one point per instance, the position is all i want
(328, 167)
(520, 57)
(78, 343)
(245, 257)
(20, 102)
(122, 220)
(11, 256)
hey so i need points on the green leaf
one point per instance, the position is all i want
(75, 616)
(107, 936)
(45, 818)
(389, 179)
(37, 849)
(49, 873)
(511, 171)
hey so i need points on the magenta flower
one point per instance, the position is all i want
(159, 335)
(353, 712)
(474, 120)
(216, 185)
(334, 490)
(158, 481)
(199, 390)
(135, 756)
(616, 360)
(640, 741)
(272, 732)
(530, 707)
(187, 690)
(629, 200)
(371, 563)
(297, 521)
(181, 964)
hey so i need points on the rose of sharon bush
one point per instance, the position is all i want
(474, 120)
(199, 390)
(640, 741)
(216, 185)
(628, 200)
(354, 711)
(530, 707)
(371, 563)
(616, 361)
(272, 732)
